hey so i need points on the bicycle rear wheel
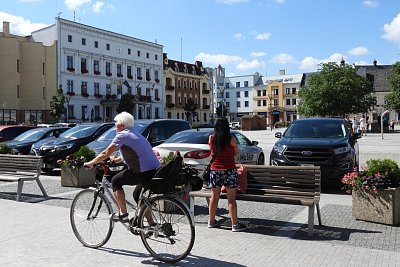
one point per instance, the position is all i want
(172, 238)
(90, 218)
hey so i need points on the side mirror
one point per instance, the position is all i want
(254, 143)
(356, 135)
(278, 134)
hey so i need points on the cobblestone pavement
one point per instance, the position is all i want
(36, 232)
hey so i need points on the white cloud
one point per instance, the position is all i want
(392, 30)
(370, 3)
(75, 4)
(246, 65)
(30, 0)
(336, 57)
(258, 54)
(231, 1)
(217, 59)
(358, 51)
(263, 36)
(97, 7)
(309, 64)
(362, 62)
(282, 59)
(20, 25)
(238, 36)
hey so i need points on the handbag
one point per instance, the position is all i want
(242, 177)
(207, 170)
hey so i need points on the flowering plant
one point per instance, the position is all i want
(378, 174)
(76, 160)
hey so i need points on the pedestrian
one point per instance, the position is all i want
(367, 122)
(348, 123)
(392, 125)
(136, 153)
(224, 148)
(354, 125)
(363, 126)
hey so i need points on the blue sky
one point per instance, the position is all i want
(244, 36)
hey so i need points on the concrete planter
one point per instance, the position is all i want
(382, 207)
(77, 177)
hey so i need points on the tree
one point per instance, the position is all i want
(335, 90)
(190, 108)
(125, 104)
(393, 97)
(57, 104)
(221, 112)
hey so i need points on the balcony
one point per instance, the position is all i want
(169, 87)
(157, 80)
(205, 91)
(70, 93)
(169, 105)
(206, 106)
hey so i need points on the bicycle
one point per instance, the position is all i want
(170, 239)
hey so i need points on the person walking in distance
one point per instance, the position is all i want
(224, 148)
(354, 125)
(363, 126)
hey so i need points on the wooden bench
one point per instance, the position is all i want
(21, 168)
(296, 185)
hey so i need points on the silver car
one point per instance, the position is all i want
(194, 148)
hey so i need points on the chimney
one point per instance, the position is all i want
(282, 72)
(6, 28)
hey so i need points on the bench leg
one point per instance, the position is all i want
(208, 201)
(191, 201)
(41, 187)
(19, 189)
(311, 220)
(319, 215)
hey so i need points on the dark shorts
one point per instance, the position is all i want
(128, 177)
(227, 178)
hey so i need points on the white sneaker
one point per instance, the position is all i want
(238, 227)
(116, 217)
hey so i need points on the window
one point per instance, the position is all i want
(129, 51)
(83, 41)
(156, 94)
(96, 88)
(129, 72)
(293, 101)
(258, 92)
(226, 85)
(17, 65)
(69, 38)
(246, 93)
(70, 86)
(293, 90)
(83, 88)
(18, 91)
(287, 91)
(70, 62)
(119, 70)
(156, 57)
(179, 84)
(119, 89)
(108, 69)
(237, 84)
(258, 103)
(138, 53)
(156, 75)
(227, 95)
(147, 55)
(287, 102)
(275, 102)
(276, 92)
(227, 104)
(108, 89)
(246, 83)
(238, 104)
(264, 103)
(148, 78)
(108, 46)
(96, 67)
(84, 68)
(264, 92)
(184, 84)
(96, 44)
(139, 73)
(246, 104)
(237, 94)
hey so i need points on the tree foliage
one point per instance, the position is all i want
(394, 85)
(125, 104)
(57, 104)
(221, 111)
(334, 91)
(190, 107)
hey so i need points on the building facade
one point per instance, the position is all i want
(28, 79)
(96, 67)
(187, 91)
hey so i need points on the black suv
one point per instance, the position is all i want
(69, 142)
(324, 142)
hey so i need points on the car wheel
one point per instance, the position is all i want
(261, 159)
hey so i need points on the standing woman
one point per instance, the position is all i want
(223, 172)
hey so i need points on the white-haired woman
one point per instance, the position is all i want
(136, 153)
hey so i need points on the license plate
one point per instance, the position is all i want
(307, 165)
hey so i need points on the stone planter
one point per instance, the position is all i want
(382, 207)
(77, 177)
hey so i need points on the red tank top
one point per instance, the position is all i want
(225, 159)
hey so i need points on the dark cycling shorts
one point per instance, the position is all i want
(128, 177)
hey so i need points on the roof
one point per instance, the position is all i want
(287, 78)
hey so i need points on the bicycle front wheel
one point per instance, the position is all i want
(90, 218)
(171, 237)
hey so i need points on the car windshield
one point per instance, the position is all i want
(189, 137)
(80, 131)
(111, 133)
(31, 135)
(331, 130)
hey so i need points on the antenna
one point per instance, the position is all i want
(59, 13)
(181, 48)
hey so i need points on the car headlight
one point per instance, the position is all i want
(278, 149)
(63, 147)
(341, 150)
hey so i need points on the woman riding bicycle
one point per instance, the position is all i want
(136, 153)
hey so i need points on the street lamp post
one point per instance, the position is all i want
(67, 99)
(383, 114)
(269, 109)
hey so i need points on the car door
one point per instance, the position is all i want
(248, 153)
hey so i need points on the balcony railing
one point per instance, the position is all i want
(169, 87)
(169, 105)
(205, 91)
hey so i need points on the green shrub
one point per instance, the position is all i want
(5, 149)
(84, 154)
(386, 167)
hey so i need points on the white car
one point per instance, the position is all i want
(194, 148)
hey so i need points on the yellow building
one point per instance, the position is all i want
(184, 81)
(28, 79)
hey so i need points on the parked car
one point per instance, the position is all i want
(235, 125)
(23, 142)
(325, 142)
(194, 148)
(156, 131)
(53, 149)
(9, 132)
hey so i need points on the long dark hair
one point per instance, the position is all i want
(222, 136)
